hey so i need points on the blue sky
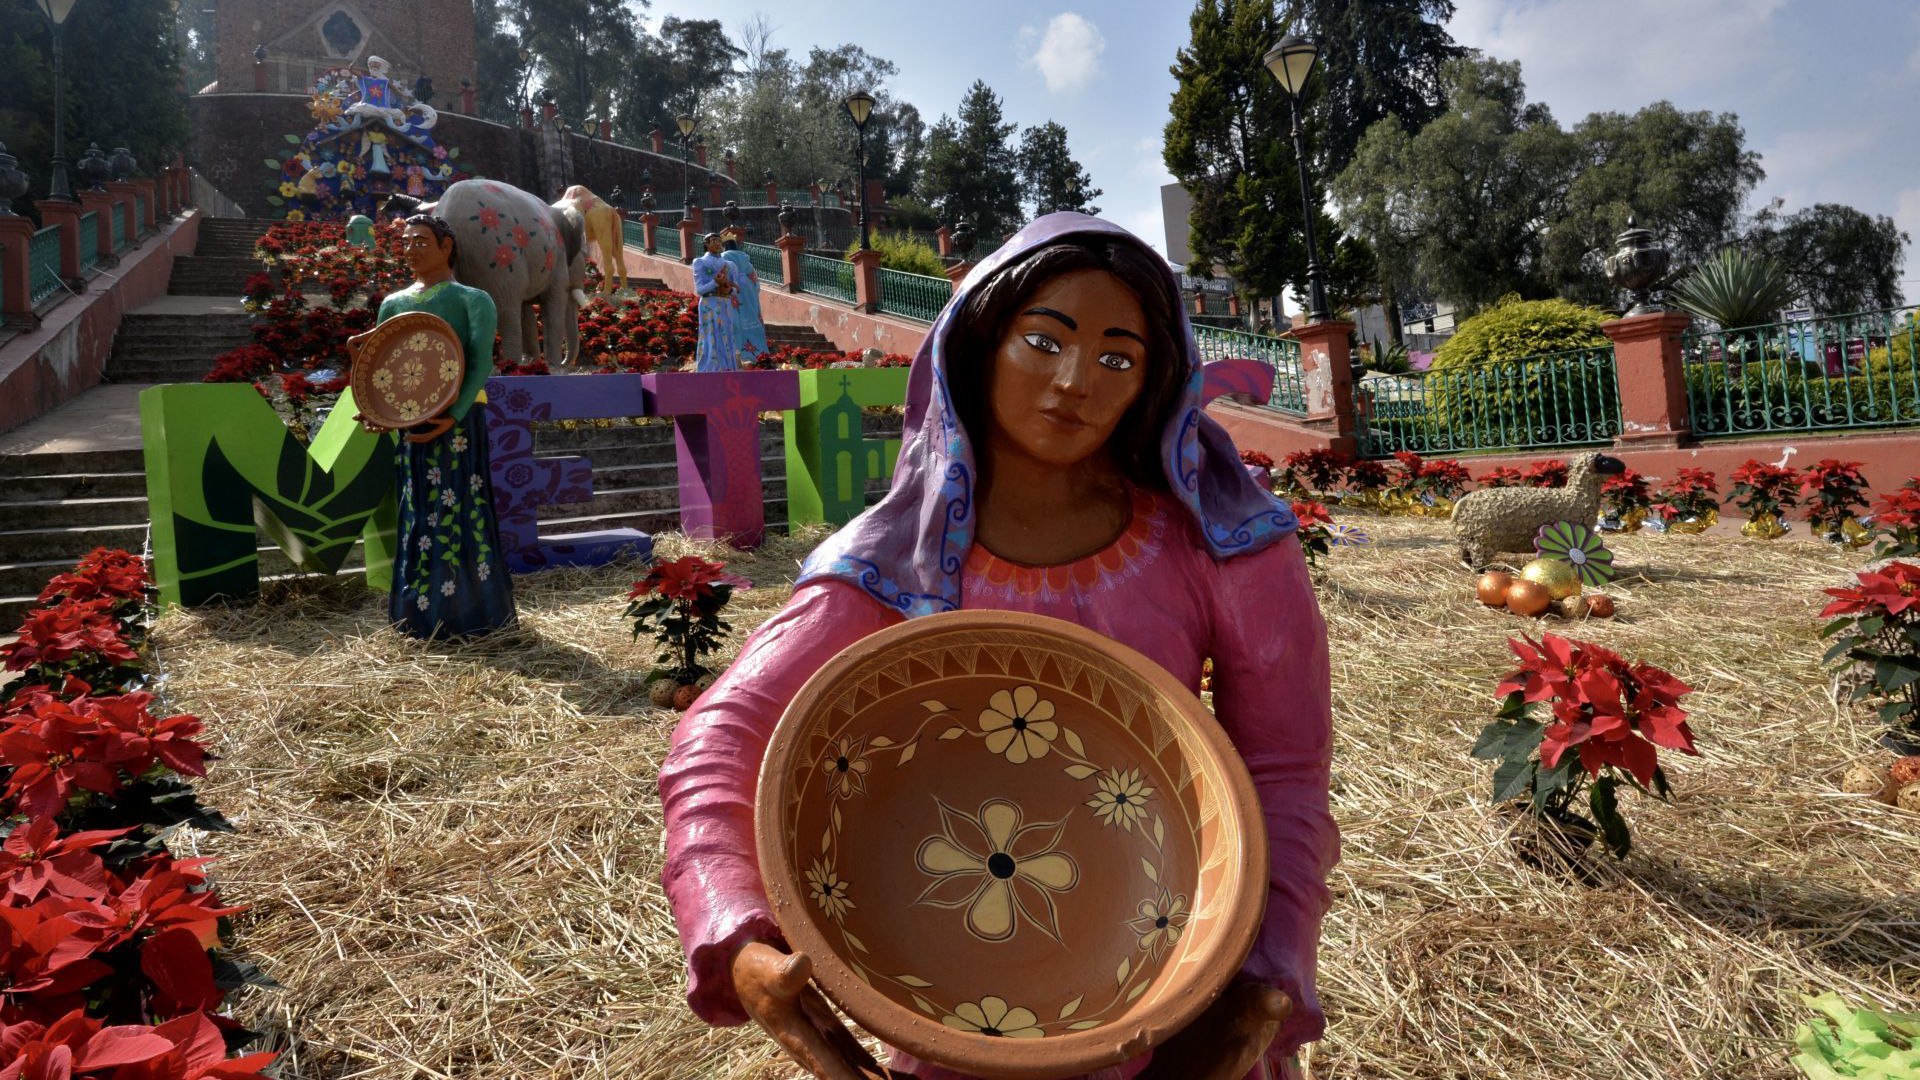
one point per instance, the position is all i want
(1829, 92)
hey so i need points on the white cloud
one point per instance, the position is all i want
(1066, 53)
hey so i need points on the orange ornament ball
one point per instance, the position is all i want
(684, 696)
(1907, 770)
(1528, 598)
(1600, 606)
(1493, 588)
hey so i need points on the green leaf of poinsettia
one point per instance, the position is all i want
(1510, 780)
(1894, 672)
(1606, 814)
(1548, 781)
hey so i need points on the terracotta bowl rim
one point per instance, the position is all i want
(359, 373)
(1193, 988)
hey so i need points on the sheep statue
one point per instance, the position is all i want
(1492, 520)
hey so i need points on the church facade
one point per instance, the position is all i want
(304, 38)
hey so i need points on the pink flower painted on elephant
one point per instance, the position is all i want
(489, 217)
(520, 237)
(549, 264)
(502, 256)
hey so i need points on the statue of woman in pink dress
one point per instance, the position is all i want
(1056, 460)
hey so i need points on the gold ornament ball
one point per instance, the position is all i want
(1909, 798)
(660, 693)
(1555, 575)
(1869, 778)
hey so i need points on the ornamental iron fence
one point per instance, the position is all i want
(666, 241)
(1569, 398)
(766, 263)
(634, 234)
(1837, 372)
(1281, 355)
(140, 214)
(44, 255)
(913, 296)
(827, 277)
(119, 229)
(89, 240)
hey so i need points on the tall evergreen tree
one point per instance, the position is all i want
(1839, 259)
(971, 171)
(1229, 143)
(499, 72)
(141, 106)
(1378, 58)
(583, 47)
(1050, 179)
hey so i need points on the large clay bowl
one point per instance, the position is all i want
(406, 370)
(1012, 847)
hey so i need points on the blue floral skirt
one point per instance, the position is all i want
(449, 575)
(716, 352)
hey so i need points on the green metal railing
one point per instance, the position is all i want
(119, 229)
(634, 234)
(666, 241)
(140, 214)
(89, 240)
(766, 263)
(913, 296)
(1844, 371)
(1569, 398)
(44, 253)
(1282, 355)
(1213, 304)
(827, 277)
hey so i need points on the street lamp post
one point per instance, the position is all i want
(1291, 62)
(56, 12)
(860, 107)
(688, 124)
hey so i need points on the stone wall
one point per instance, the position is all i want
(235, 134)
(434, 37)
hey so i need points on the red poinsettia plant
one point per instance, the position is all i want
(1624, 494)
(1607, 719)
(81, 639)
(679, 602)
(1549, 473)
(1835, 491)
(1876, 624)
(1762, 490)
(1364, 477)
(1502, 476)
(1318, 469)
(1690, 497)
(1259, 459)
(1897, 517)
(1316, 537)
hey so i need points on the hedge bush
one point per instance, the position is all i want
(1479, 395)
(903, 252)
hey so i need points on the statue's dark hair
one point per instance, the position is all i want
(709, 236)
(441, 231)
(983, 319)
(731, 243)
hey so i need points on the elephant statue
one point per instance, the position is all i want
(520, 251)
(603, 234)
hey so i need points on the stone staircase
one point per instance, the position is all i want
(804, 336)
(56, 507)
(173, 348)
(222, 260)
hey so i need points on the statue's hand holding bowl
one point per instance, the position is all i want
(1226, 1041)
(432, 429)
(772, 986)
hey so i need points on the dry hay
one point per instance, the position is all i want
(453, 852)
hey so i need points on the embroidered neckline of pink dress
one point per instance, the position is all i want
(1162, 587)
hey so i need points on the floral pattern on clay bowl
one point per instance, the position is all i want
(406, 369)
(988, 826)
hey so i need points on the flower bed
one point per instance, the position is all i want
(112, 951)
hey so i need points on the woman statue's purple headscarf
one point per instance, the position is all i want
(908, 550)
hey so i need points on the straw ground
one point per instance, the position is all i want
(453, 852)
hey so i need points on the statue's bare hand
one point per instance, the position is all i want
(772, 986)
(1225, 1041)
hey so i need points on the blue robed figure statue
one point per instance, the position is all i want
(713, 283)
(749, 334)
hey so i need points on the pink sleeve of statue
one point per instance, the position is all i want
(707, 784)
(1273, 695)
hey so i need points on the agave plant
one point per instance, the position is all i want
(1734, 289)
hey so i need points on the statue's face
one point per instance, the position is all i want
(426, 253)
(713, 245)
(1069, 364)
(376, 66)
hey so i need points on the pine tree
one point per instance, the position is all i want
(1050, 179)
(583, 47)
(1377, 58)
(499, 72)
(971, 172)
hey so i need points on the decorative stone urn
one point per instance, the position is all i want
(647, 201)
(95, 168)
(963, 240)
(123, 163)
(1638, 266)
(785, 218)
(13, 181)
(731, 213)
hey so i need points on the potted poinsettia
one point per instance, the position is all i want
(1607, 719)
(1624, 502)
(679, 602)
(1687, 505)
(1765, 493)
(1315, 539)
(1876, 625)
(1836, 492)
(1896, 518)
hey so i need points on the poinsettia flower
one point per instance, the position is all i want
(36, 859)
(1893, 589)
(76, 1043)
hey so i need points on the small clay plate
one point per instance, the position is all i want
(1011, 846)
(406, 370)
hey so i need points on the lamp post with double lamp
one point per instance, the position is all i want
(1291, 62)
(860, 107)
(56, 12)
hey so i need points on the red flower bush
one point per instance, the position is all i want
(1318, 468)
(1258, 459)
(679, 602)
(1502, 476)
(82, 638)
(1876, 625)
(1764, 490)
(1446, 478)
(1835, 491)
(1549, 473)
(1315, 537)
(1364, 477)
(118, 575)
(56, 748)
(1689, 496)
(1898, 514)
(1624, 493)
(1609, 717)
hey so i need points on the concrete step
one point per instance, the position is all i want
(167, 354)
(66, 513)
(212, 328)
(18, 545)
(223, 321)
(654, 498)
(71, 486)
(69, 462)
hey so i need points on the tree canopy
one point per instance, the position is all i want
(1838, 259)
(972, 169)
(1378, 58)
(1050, 179)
